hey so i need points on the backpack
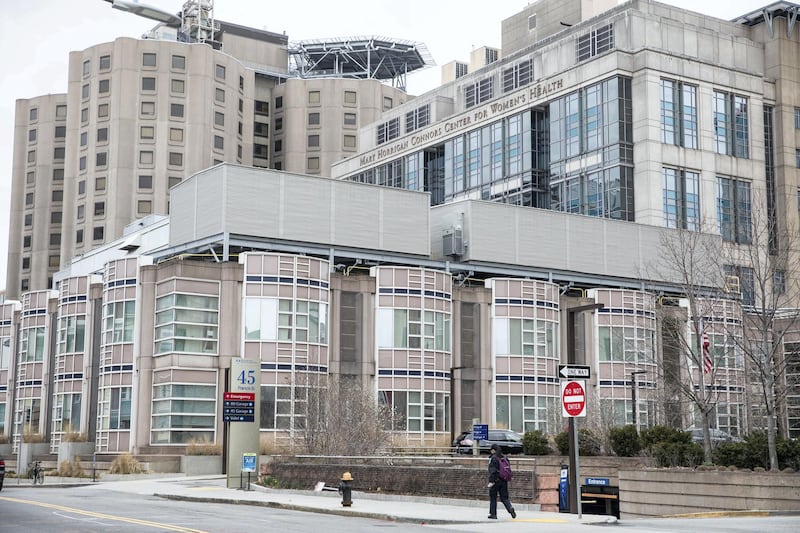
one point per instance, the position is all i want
(505, 469)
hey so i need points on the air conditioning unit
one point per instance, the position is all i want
(732, 284)
(453, 241)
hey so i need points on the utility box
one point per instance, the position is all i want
(453, 241)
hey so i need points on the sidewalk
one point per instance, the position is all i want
(396, 508)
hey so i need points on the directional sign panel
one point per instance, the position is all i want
(574, 371)
(239, 407)
(573, 399)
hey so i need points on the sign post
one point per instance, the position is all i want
(240, 413)
(573, 405)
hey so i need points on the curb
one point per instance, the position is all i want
(731, 514)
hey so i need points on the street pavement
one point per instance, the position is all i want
(396, 508)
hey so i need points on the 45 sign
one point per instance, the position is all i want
(246, 377)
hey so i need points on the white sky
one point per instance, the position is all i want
(36, 37)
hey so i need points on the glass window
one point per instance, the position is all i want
(103, 86)
(279, 102)
(387, 103)
(98, 233)
(219, 118)
(797, 118)
(102, 134)
(313, 163)
(33, 114)
(102, 110)
(349, 97)
(177, 86)
(147, 132)
(219, 142)
(148, 83)
(219, 72)
(313, 97)
(100, 183)
(82, 163)
(31, 135)
(99, 209)
(731, 125)
(349, 141)
(734, 210)
(176, 159)
(85, 91)
(176, 110)
(679, 113)
(58, 195)
(148, 59)
(82, 187)
(349, 119)
(148, 109)
(78, 236)
(146, 182)
(681, 199)
(146, 157)
(84, 115)
(313, 141)
(219, 95)
(105, 62)
(58, 174)
(61, 132)
(87, 65)
(176, 134)
(30, 177)
(144, 207)
(101, 159)
(116, 408)
(28, 223)
(179, 62)
(31, 156)
(58, 153)
(183, 413)
(84, 138)
(55, 239)
(80, 213)
(173, 181)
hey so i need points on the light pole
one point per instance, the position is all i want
(453, 403)
(572, 356)
(633, 395)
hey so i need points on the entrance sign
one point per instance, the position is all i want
(573, 399)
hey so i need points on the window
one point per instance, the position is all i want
(177, 86)
(145, 182)
(26, 240)
(98, 233)
(85, 91)
(175, 159)
(176, 110)
(148, 59)
(105, 62)
(313, 141)
(219, 72)
(103, 86)
(61, 132)
(260, 129)
(147, 132)
(80, 213)
(52, 261)
(241, 83)
(58, 153)
(146, 157)
(387, 103)
(79, 236)
(26, 263)
(58, 174)
(281, 319)
(261, 108)
(260, 151)
(84, 115)
(102, 135)
(350, 97)
(28, 223)
(183, 413)
(55, 217)
(101, 159)
(279, 124)
(731, 125)
(219, 142)
(30, 177)
(734, 210)
(415, 329)
(596, 42)
(55, 239)
(148, 109)
(797, 158)
(32, 135)
(349, 141)
(115, 408)
(313, 119)
(148, 83)
(144, 207)
(187, 323)
(102, 110)
(678, 113)
(279, 102)
(518, 75)
(87, 65)
(313, 163)
(313, 97)
(478, 92)
(99, 209)
(797, 118)
(31, 156)
(82, 163)
(219, 118)
(349, 119)
(29, 199)
(746, 280)
(219, 95)
(84, 138)
(179, 62)
(278, 145)
(33, 114)
(58, 195)
(779, 282)
(418, 118)
(176, 135)
(388, 130)
(173, 181)
(99, 183)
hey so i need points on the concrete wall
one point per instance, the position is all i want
(656, 492)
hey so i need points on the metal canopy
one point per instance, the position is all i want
(767, 13)
(372, 57)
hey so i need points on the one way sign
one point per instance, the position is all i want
(573, 371)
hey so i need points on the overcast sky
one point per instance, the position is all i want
(37, 36)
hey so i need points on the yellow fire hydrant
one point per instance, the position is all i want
(345, 490)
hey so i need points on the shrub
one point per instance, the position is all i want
(75, 437)
(588, 444)
(753, 452)
(656, 434)
(625, 441)
(670, 454)
(4, 439)
(789, 453)
(203, 448)
(70, 469)
(535, 443)
(32, 437)
(125, 464)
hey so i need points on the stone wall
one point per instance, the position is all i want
(664, 492)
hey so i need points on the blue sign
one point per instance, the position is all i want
(601, 481)
(480, 431)
(248, 462)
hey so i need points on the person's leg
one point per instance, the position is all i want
(503, 490)
(493, 501)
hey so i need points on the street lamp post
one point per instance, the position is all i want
(453, 403)
(572, 356)
(633, 395)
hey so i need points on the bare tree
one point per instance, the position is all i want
(345, 419)
(688, 260)
(767, 267)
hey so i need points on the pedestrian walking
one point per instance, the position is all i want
(499, 475)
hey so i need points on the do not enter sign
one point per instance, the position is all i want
(573, 399)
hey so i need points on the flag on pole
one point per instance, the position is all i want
(708, 363)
